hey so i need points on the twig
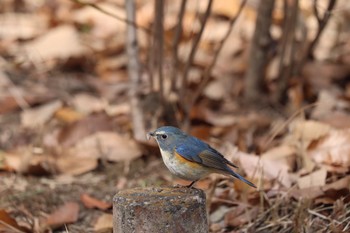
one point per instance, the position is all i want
(322, 22)
(134, 73)
(289, 120)
(17, 95)
(195, 44)
(322, 216)
(208, 70)
(127, 21)
(158, 44)
(8, 226)
(176, 40)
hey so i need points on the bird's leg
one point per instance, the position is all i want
(192, 183)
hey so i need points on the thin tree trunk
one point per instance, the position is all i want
(134, 73)
(258, 58)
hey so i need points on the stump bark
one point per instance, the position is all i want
(165, 209)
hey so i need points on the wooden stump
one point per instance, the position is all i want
(165, 209)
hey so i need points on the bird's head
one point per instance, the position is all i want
(167, 137)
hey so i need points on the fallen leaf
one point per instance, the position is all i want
(64, 36)
(9, 224)
(87, 104)
(9, 102)
(267, 169)
(119, 109)
(215, 90)
(228, 8)
(37, 117)
(24, 161)
(65, 214)
(284, 154)
(332, 191)
(103, 25)
(72, 133)
(325, 104)
(72, 165)
(317, 178)
(306, 132)
(107, 145)
(240, 216)
(22, 26)
(337, 119)
(218, 214)
(91, 202)
(333, 149)
(326, 73)
(103, 223)
(68, 115)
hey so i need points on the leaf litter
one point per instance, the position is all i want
(66, 149)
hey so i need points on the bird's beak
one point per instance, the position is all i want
(150, 134)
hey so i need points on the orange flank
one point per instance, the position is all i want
(189, 163)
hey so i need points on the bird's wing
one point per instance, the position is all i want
(195, 150)
(200, 152)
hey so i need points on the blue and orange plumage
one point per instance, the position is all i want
(190, 158)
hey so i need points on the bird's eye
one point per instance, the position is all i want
(164, 136)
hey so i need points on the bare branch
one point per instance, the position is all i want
(322, 22)
(177, 36)
(195, 44)
(207, 71)
(127, 21)
(158, 44)
(316, 12)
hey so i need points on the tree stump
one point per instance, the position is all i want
(161, 209)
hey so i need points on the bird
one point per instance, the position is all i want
(190, 158)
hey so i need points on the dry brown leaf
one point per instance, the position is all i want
(104, 223)
(68, 115)
(219, 119)
(145, 14)
(325, 73)
(267, 169)
(333, 149)
(215, 90)
(8, 101)
(284, 154)
(119, 109)
(325, 104)
(308, 131)
(337, 119)
(240, 216)
(37, 117)
(103, 25)
(61, 42)
(328, 193)
(65, 214)
(22, 26)
(9, 224)
(71, 134)
(107, 145)
(307, 193)
(228, 8)
(87, 104)
(316, 178)
(73, 165)
(24, 161)
(91, 202)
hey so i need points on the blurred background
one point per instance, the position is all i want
(267, 83)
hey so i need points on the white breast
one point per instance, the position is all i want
(182, 170)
